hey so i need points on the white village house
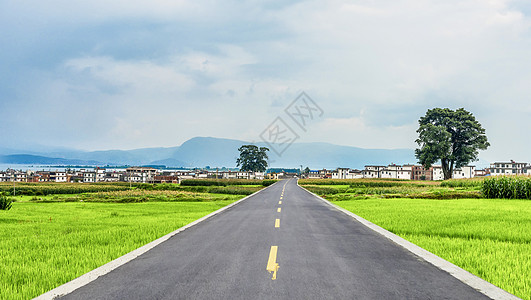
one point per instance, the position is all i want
(509, 168)
(397, 171)
(458, 173)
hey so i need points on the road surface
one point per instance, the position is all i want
(282, 243)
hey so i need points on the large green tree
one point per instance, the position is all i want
(453, 137)
(306, 171)
(252, 158)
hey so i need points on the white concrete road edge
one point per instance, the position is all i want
(71, 286)
(486, 288)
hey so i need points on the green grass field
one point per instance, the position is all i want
(490, 238)
(43, 245)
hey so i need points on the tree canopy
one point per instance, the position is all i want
(252, 158)
(453, 137)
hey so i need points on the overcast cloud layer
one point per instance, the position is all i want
(130, 74)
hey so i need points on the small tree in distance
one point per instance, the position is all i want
(252, 158)
(453, 137)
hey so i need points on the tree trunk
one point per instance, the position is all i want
(447, 169)
(451, 171)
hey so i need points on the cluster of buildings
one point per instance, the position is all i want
(152, 175)
(132, 174)
(413, 172)
(509, 168)
(418, 172)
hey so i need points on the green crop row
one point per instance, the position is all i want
(268, 182)
(506, 187)
(225, 182)
(43, 189)
(214, 189)
(462, 183)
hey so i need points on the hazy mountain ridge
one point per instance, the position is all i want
(218, 152)
(43, 160)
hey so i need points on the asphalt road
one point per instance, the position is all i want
(316, 252)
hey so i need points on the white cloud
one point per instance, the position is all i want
(147, 103)
(64, 11)
(229, 68)
(141, 78)
(355, 131)
(228, 62)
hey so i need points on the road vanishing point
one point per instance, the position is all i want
(280, 243)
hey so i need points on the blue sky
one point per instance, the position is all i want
(129, 74)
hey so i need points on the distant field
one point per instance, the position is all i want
(212, 186)
(487, 237)
(337, 190)
(50, 188)
(48, 240)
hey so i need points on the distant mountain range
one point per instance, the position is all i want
(28, 159)
(215, 152)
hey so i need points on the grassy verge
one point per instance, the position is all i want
(43, 245)
(490, 238)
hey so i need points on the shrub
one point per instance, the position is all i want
(202, 182)
(323, 190)
(233, 190)
(145, 186)
(268, 182)
(5, 202)
(462, 183)
(367, 183)
(158, 186)
(195, 189)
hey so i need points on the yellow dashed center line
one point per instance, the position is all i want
(272, 265)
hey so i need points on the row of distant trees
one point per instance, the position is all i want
(453, 137)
